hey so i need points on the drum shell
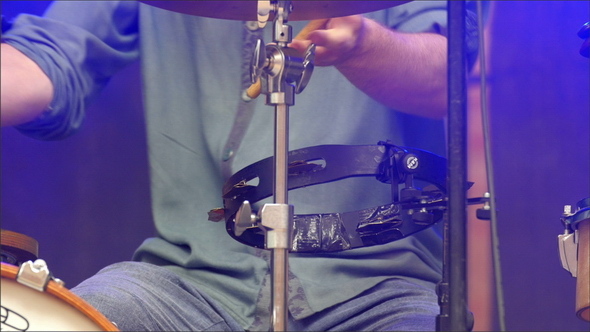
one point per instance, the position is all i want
(55, 309)
(583, 277)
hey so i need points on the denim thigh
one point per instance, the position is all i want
(392, 305)
(145, 297)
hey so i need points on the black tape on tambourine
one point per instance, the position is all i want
(327, 232)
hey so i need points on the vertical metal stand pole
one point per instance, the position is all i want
(285, 73)
(454, 314)
(457, 169)
(280, 255)
(281, 151)
(279, 291)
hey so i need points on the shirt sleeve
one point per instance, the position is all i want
(79, 45)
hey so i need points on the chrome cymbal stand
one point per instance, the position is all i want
(283, 72)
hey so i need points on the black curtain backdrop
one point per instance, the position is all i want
(86, 199)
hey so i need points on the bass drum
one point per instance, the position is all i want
(55, 309)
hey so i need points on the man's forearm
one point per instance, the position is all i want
(25, 92)
(405, 71)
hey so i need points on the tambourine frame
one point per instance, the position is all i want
(413, 208)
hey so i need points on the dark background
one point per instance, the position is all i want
(86, 199)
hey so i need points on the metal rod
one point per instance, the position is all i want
(457, 167)
(455, 245)
(279, 263)
(281, 153)
(279, 291)
(490, 172)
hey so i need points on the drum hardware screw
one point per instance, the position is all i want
(258, 62)
(303, 79)
(245, 219)
(485, 212)
(486, 204)
(410, 162)
(567, 210)
(39, 264)
(422, 217)
(58, 281)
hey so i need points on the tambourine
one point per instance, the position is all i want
(412, 209)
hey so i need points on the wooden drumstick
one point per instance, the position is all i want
(311, 26)
(254, 90)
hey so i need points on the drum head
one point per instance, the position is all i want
(56, 309)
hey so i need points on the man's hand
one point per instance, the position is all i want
(336, 42)
(404, 71)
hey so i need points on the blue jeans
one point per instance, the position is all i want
(144, 297)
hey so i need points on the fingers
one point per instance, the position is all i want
(336, 42)
(335, 39)
(311, 26)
